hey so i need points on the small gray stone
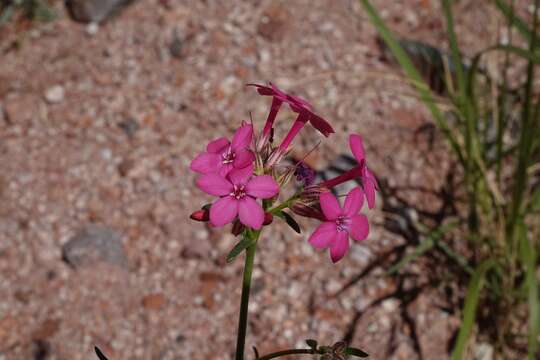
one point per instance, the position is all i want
(94, 244)
(54, 94)
(94, 10)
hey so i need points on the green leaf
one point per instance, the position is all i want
(431, 240)
(289, 220)
(528, 258)
(356, 352)
(469, 310)
(420, 250)
(243, 244)
(312, 343)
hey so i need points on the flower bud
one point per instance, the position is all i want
(237, 228)
(304, 210)
(200, 215)
(268, 218)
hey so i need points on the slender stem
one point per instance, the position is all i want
(287, 352)
(246, 285)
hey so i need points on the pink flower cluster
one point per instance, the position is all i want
(241, 171)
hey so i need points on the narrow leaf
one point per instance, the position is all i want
(289, 220)
(469, 310)
(356, 352)
(239, 247)
(528, 258)
(420, 250)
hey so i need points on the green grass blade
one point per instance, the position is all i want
(415, 77)
(528, 258)
(430, 241)
(513, 19)
(469, 310)
(420, 250)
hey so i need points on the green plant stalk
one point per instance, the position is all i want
(244, 303)
(288, 352)
(526, 140)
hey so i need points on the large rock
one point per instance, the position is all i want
(94, 11)
(94, 244)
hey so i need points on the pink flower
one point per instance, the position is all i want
(369, 183)
(298, 105)
(221, 156)
(341, 223)
(238, 192)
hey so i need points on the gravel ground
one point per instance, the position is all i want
(98, 126)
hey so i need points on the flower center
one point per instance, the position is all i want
(228, 156)
(238, 192)
(342, 223)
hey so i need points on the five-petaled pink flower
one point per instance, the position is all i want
(369, 183)
(238, 191)
(222, 156)
(341, 223)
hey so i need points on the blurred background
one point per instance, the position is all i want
(103, 104)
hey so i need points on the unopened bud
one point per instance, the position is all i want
(200, 215)
(268, 218)
(310, 211)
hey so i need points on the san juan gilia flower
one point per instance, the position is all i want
(222, 156)
(340, 223)
(238, 192)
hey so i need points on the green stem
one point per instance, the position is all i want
(288, 352)
(246, 286)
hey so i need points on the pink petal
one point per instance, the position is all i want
(214, 184)
(359, 227)
(320, 124)
(223, 211)
(340, 246)
(323, 236)
(206, 163)
(262, 187)
(250, 212)
(369, 189)
(241, 176)
(225, 169)
(217, 146)
(330, 205)
(353, 202)
(242, 137)
(357, 147)
(371, 177)
(243, 158)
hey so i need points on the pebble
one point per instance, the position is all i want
(93, 11)
(92, 28)
(94, 244)
(54, 94)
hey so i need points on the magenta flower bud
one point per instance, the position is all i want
(268, 218)
(309, 211)
(200, 215)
